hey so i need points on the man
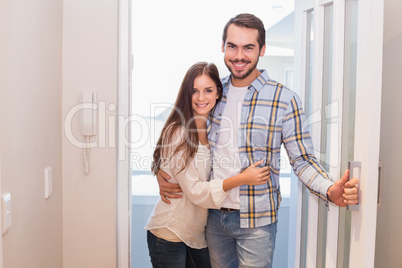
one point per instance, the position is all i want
(255, 116)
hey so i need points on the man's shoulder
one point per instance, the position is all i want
(274, 88)
(266, 84)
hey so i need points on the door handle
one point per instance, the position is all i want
(352, 165)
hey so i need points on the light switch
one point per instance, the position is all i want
(6, 211)
(48, 182)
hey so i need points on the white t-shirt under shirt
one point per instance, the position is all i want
(226, 162)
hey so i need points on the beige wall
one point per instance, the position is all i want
(389, 218)
(90, 49)
(31, 92)
(50, 51)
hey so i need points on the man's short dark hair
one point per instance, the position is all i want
(249, 21)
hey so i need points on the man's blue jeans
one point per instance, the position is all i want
(165, 254)
(231, 246)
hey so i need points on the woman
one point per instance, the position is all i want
(176, 232)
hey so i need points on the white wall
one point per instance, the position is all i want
(30, 108)
(90, 50)
(389, 218)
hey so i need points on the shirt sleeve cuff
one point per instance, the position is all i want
(325, 188)
(218, 195)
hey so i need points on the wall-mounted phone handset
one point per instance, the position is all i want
(88, 124)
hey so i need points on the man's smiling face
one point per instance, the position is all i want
(242, 51)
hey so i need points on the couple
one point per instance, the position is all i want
(236, 126)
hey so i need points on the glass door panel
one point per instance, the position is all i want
(308, 112)
(326, 124)
(348, 122)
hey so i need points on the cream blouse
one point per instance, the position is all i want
(186, 217)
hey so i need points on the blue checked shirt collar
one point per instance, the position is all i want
(257, 84)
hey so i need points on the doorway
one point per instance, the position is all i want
(164, 46)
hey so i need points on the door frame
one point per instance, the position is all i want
(1, 219)
(368, 96)
(123, 202)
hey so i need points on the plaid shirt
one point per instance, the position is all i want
(271, 115)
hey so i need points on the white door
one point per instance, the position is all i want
(338, 67)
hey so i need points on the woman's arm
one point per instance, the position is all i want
(203, 193)
(253, 175)
(211, 194)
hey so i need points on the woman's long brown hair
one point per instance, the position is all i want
(182, 117)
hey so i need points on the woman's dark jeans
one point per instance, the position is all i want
(165, 254)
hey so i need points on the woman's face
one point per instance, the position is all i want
(205, 94)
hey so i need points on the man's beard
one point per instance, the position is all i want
(242, 76)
